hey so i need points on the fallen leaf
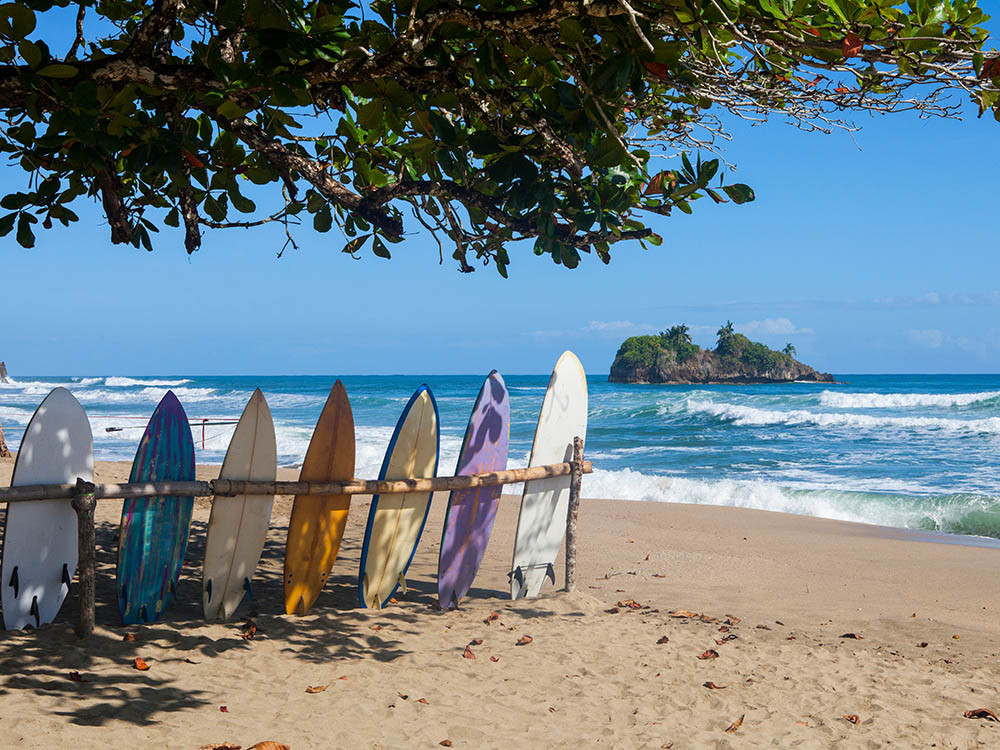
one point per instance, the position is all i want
(922, 644)
(981, 713)
(393, 600)
(855, 636)
(681, 613)
(658, 575)
(220, 746)
(955, 637)
(404, 697)
(376, 627)
(342, 677)
(645, 558)
(445, 743)
(249, 631)
(268, 745)
(492, 617)
(130, 638)
(630, 541)
(663, 639)
(713, 686)
(77, 677)
(316, 688)
(613, 611)
(733, 620)
(853, 718)
(710, 654)
(139, 664)
(630, 603)
(735, 725)
(224, 709)
(852, 45)
(476, 642)
(524, 640)
(724, 629)
(424, 701)
(467, 654)
(762, 627)
(802, 723)
(191, 661)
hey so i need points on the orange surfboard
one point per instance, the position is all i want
(317, 522)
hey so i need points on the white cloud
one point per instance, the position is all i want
(617, 328)
(929, 338)
(772, 327)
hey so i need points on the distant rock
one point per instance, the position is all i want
(735, 361)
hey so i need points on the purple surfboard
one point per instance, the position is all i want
(469, 519)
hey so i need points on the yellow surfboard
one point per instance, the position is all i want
(317, 522)
(396, 521)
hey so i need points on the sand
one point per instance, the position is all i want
(771, 594)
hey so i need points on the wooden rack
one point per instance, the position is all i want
(84, 496)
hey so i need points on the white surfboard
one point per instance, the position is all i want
(40, 538)
(542, 521)
(238, 525)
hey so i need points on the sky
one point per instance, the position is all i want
(871, 252)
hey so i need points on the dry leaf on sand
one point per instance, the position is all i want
(710, 654)
(269, 745)
(221, 746)
(524, 640)
(130, 638)
(140, 664)
(662, 640)
(476, 642)
(853, 718)
(981, 713)
(855, 636)
(424, 701)
(77, 677)
(735, 725)
(492, 617)
(445, 743)
(316, 688)
(713, 686)
(224, 709)
(630, 603)
(494, 658)
(249, 631)
(467, 654)
(376, 627)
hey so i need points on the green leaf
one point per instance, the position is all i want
(323, 220)
(58, 70)
(379, 248)
(356, 244)
(837, 7)
(739, 192)
(7, 224)
(25, 237)
(31, 53)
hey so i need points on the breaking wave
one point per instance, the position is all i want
(903, 400)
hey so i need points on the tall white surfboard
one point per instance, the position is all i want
(40, 538)
(542, 521)
(237, 527)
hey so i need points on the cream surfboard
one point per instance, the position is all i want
(542, 521)
(40, 538)
(395, 522)
(238, 525)
(317, 523)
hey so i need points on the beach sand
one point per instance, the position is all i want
(772, 594)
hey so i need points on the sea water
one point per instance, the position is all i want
(909, 451)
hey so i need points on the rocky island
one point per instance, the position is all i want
(672, 358)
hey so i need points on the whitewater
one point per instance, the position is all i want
(907, 451)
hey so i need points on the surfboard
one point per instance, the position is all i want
(154, 530)
(468, 521)
(40, 538)
(237, 526)
(317, 523)
(395, 522)
(542, 520)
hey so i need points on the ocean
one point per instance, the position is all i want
(907, 451)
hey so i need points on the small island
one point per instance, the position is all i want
(672, 358)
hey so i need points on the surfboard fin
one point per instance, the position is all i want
(248, 588)
(454, 599)
(208, 589)
(65, 575)
(402, 583)
(550, 573)
(14, 581)
(34, 611)
(377, 603)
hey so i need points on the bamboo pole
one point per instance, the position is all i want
(573, 511)
(84, 504)
(230, 487)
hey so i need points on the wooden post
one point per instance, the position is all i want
(572, 512)
(84, 504)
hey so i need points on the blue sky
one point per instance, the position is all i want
(872, 252)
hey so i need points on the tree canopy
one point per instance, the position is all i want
(484, 122)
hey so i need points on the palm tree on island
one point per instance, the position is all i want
(789, 350)
(726, 332)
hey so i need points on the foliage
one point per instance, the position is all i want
(640, 351)
(677, 339)
(487, 122)
(735, 347)
(789, 350)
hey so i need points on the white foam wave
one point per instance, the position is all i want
(123, 382)
(902, 400)
(751, 416)
(85, 382)
(880, 509)
(13, 415)
(149, 395)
